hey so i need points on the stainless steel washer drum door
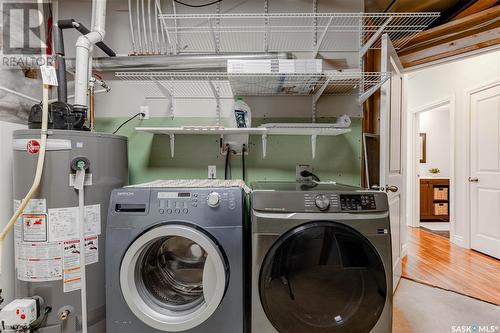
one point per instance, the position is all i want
(173, 277)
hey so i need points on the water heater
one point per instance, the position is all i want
(46, 236)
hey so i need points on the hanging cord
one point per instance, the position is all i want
(243, 167)
(128, 120)
(197, 6)
(227, 167)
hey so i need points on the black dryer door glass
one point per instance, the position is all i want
(323, 277)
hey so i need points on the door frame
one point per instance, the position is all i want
(468, 148)
(413, 198)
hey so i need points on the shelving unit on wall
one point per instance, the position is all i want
(288, 32)
(310, 34)
(313, 131)
(182, 85)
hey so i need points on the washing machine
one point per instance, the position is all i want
(174, 260)
(321, 259)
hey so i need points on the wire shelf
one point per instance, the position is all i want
(228, 85)
(289, 32)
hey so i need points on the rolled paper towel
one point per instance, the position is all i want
(343, 121)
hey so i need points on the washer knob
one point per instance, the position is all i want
(322, 202)
(213, 199)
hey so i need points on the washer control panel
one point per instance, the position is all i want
(357, 202)
(183, 202)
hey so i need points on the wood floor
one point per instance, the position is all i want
(433, 260)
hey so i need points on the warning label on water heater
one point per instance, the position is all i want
(34, 228)
(71, 261)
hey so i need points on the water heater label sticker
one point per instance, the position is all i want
(34, 227)
(71, 260)
(93, 220)
(39, 270)
(39, 251)
(34, 206)
(63, 222)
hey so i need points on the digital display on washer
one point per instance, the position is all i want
(184, 195)
(357, 202)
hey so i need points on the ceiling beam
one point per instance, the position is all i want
(453, 27)
(462, 45)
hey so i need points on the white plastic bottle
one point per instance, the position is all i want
(241, 114)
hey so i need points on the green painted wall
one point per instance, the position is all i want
(337, 158)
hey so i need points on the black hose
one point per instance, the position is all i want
(227, 163)
(197, 6)
(243, 168)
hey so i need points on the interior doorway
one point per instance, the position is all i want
(432, 168)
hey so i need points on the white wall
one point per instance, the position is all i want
(436, 125)
(6, 207)
(453, 81)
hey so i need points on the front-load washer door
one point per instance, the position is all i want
(322, 277)
(173, 277)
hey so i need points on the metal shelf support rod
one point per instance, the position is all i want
(322, 36)
(374, 38)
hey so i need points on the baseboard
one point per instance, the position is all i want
(404, 250)
(458, 240)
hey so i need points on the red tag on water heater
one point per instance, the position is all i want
(33, 147)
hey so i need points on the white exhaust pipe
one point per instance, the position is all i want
(84, 46)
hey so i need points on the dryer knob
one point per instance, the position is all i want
(322, 202)
(213, 199)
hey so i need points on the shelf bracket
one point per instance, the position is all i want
(264, 145)
(364, 96)
(167, 94)
(313, 145)
(215, 91)
(172, 145)
(320, 40)
(317, 96)
(373, 38)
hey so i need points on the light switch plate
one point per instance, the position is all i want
(212, 172)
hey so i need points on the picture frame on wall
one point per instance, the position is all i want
(423, 148)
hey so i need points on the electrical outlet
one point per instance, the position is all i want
(145, 110)
(212, 172)
(299, 169)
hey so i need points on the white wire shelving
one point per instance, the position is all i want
(188, 85)
(289, 32)
(312, 130)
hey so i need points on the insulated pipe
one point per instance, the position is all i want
(83, 46)
(43, 145)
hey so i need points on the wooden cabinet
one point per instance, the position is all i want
(435, 199)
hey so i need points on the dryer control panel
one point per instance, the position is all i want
(357, 202)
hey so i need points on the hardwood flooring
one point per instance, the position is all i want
(433, 260)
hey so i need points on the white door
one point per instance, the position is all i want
(485, 171)
(173, 277)
(392, 150)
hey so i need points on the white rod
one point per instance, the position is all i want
(158, 46)
(146, 46)
(139, 38)
(131, 26)
(150, 28)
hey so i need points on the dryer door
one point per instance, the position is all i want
(173, 277)
(323, 277)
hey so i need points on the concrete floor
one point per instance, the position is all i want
(419, 308)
